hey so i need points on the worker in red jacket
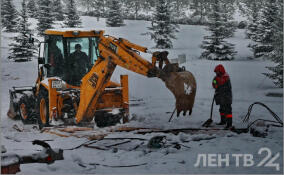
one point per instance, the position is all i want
(223, 95)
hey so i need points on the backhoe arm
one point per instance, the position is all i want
(125, 54)
(121, 52)
(112, 52)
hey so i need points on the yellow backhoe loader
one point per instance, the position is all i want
(74, 71)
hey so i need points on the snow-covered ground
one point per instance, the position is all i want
(151, 105)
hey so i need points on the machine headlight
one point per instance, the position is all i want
(57, 84)
(76, 33)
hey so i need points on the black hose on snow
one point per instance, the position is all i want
(275, 116)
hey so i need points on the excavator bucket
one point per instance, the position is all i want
(15, 94)
(12, 112)
(183, 85)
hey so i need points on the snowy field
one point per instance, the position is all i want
(151, 105)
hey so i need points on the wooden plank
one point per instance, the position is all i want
(72, 130)
(121, 129)
(56, 133)
(97, 137)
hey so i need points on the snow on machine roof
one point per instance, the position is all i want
(74, 32)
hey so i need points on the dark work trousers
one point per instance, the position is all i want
(225, 109)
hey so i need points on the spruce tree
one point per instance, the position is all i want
(32, 9)
(253, 17)
(265, 29)
(216, 48)
(178, 12)
(252, 9)
(136, 6)
(57, 10)
(248, 8)
(114, 15)
(130, 9)
(72, 19)
(200, 9)
(127, 9)
(162, 30)
(21, 49)
(45, 17)
(277, 42)
(9, 16)
(88, 4)
(100, 8)
(228, 10)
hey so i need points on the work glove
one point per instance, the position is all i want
(214, 83)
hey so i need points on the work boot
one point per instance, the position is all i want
(223, 120)
(229, 123)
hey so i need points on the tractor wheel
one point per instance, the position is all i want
(26, 106)
(43, 109)
(104, 119)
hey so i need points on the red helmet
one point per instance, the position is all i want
(220, 69)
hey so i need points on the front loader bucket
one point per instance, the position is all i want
(15, 94)
(183, 85)
(12, 108)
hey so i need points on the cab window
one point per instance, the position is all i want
(54, 57)
(84, 42)
(95, 51)
(78, 60)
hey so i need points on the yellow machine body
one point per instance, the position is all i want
(56, 95)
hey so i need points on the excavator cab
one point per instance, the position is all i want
(61, 59)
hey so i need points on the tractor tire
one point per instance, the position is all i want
(43, 109)
(26, 106)
(104, 119)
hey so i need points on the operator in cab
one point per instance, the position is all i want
(55, 60)
(78, 65)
